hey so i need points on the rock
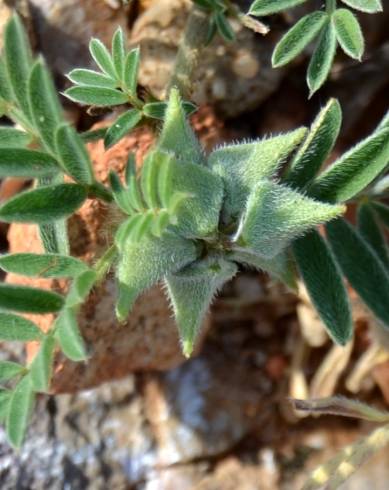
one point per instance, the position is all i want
(64, 28)
(233, 77)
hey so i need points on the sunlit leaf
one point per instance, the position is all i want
(369, 6)
(29, 300)
(44, 265)
(102, 57)
(43, 205)
(42, 365)
(322, 58)
(91, 78)
(354, 170)
(69, 336)
(73, 155)
(122, 126)
(316, 146)
(9, 370)
(44, 104)
(19, 162)
(13, 138)
(14, 327)
(349, 33)
(19, 409)
(98, 96)
(298, 37)
(267, 7)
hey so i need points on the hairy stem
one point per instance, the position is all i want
(189, 52)
(330, 6)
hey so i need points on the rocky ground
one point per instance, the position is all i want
(220, 421)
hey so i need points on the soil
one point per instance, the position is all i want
(220, 421)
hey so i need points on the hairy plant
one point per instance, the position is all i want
(189, 220)
(331, 26)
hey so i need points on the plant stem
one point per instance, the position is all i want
(330, 6)
(104, 263)
(189, 52)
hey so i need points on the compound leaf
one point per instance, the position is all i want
(191, 292)
(361, 266)
(19, 410)
(17, 328)
(242, 166)
(5, 397)
(369, 6)
(144, 263)
(349, 33)
(18, 60)
(98, 96)
(131, 69)
(42, 265)
(43, 205)
(73, 155)
(224, 27)
(9, 370)
(29, 300)
(69, 336)
(91, 78)
(322, 58)
(353, 171)
(45, 108)
(268, 7)
(13, 138)
(118, 52)
(123, 125)
(19, 162)
(324, 284)
(298, 37)
(42, 365)
(276, 215)
(81, 288)
(316, 146)
(102, 57)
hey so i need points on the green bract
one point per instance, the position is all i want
(331, 26)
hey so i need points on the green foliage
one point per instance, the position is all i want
(19, 409)
(332, 27)
(43, 205)
(218, 11)
(44, 265)
(185, 218)
(362, 267)
(29, 300)
(14, 327)
(324, 284)
(349, 175)
(316, 147)
(69, 336)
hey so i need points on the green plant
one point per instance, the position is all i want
(332, 26)
(189, 219)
